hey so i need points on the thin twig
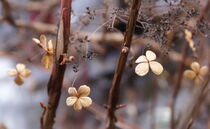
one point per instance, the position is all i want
(115, 89)
(7, 12)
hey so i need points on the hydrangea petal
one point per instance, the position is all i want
(43, 40)
(150, 55)
(71, 100)
(85, 101)
(18, 80)
(195, 66)
(72, 91)
(47, 60)
(77, 106)
(142, 69)
(12, 72)
(189, 74)
(204, 70)
(141, 59)
(20, 67)
(84, 90)
(25, 73)
(156, 67)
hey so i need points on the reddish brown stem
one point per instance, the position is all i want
(115, 89)
(56, 78)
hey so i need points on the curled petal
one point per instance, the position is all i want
(72, 91)
(19, 80)
(189, 74)
(20, 67)
(71, 100)
(85, 101)
(195, 66)
(150, 55)
(37, 41)
(25, 73)
(50, 46)
(156, 67)
(142, 69)
(43, 40)
(47, 60)
(77, 106)
(12, 72)
(141, 59)
(204, 70)
(83, 90)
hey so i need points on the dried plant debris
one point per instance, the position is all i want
(188, 37)
(19, 72)
(47, 58)
(196, 72)
(148, 61)
(79, 98)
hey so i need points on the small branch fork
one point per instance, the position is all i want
(115, 89)
(57, 75)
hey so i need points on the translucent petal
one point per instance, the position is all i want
(198, 80)
(141, 59)
(85, 101)
(25, 73)
(37, 41)
(77, 106)
(50, 46)
(195, 66)
(83, 90)
(72, 91)
(19, 80)
(20, 67)
(156, 67)
(204, 70)
(71, 100)
(43, 40)
(47, 60)
(189, 74)
(150, 55)
(142, 69)
(12, 72)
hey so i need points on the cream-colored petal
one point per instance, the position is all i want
(156, 67)
(142, 69)
(71, 100)
(77, 106)
(25, 73)
(37, 41)
(203, 70)
(83, 90)
(47, 60)
(72, 91)
(43, 40)
(189, 74)
(50, 46)
(18, 80)
(195, 66)
(20, 67)
(141, 59)
(198, 80)
(12, 72)
(150, 55)
(85, 101)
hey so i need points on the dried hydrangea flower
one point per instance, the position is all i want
(148, 61)
(196, 73)
(188, 37)
(79, 99)
(20, 72)
(47, 58)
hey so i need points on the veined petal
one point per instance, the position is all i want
(72, 91)
(20, 67)
(150, 55)
(189, 74)
(141, 59)
(204, 70)
(50, 46)
(85, 101)
(43, 40)
(195, 66)
(156, 67)
(142, 69)
(77, 106)
(12, 72)
(83, 91)
(18, 80)
(25, 73)
(47, 60)
(71, 100)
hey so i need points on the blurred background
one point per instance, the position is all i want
(159, 28)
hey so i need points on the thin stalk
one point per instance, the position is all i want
(115, 89)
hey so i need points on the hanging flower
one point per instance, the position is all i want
(47, 58)
(196, 72)
(148, 61)
(79, 99)
(20, 72)
(188, 37)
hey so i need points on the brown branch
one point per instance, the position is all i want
(7, 12)
(57, 75)
(115, 89)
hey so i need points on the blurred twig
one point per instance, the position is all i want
(115, 89)
(7, 12)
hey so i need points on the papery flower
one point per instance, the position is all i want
(20, 72)
(79, 99)
(148, 61)
(196, 72)
(47, 58)
(188, 37)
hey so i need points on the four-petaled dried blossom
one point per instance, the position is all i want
(148, 61)
(188, 37)
(47, 58)
(79, 99)
(20, 72)
(196, 73)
